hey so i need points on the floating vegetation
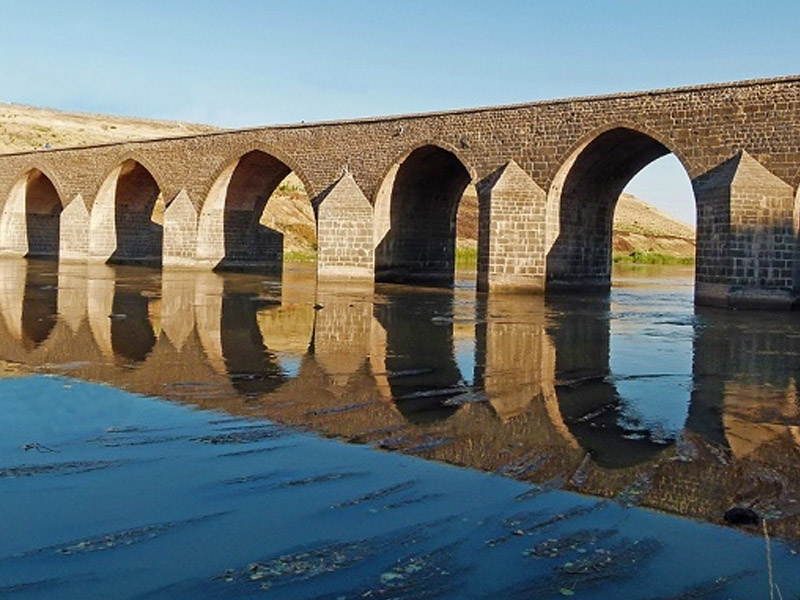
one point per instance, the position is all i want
(429, 443)
(527, 523)
(539, 489)
(304, 565)
(578, 542)
(139, 441)
(111, 541)
(247, 479)
(314, 479)
(592, 569)
(523, 465)
(411, 501)
(63, 468)
(377, 494)
(431, 575)
(632, 495)
(243, 436)
(606, 564)
(249, 451)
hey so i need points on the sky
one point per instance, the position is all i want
(239, 63)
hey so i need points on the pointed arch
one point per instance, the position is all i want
(126, 221)
(582, 198)
(230, 232)
(30, 219)
(415, 214)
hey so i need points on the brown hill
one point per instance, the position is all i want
(24, 128)
(638, 227)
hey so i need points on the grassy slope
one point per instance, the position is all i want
(639, 229)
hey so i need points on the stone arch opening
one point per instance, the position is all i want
(415, 217)
(127, 220)
(31, 217)
(42, 215)
(257, 214)
(582, 202)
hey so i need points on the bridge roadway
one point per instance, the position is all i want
(385, 192)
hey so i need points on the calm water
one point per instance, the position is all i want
(168, 439)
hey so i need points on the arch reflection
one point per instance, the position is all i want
(420, 367)
(123, 311)
(28, 300)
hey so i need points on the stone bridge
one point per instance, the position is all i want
(385, 192)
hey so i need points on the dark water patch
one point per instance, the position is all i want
(48, 586)
(717, 588)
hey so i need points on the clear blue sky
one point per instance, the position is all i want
(240, 63)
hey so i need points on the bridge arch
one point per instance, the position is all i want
(583, 196)
(126, 221)
(415, 211)
(233, 229)
(30, 219)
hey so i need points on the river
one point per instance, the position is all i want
(181, 434)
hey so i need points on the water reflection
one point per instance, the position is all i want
(418, 354)
(28, 302)
(634, 395)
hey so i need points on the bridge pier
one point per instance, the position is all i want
(180, 233)
(511, 237)
(745, 237)
(345, 248)
(74, 234)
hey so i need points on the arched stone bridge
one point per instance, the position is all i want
(385, 191)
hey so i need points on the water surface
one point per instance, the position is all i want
(188, 463)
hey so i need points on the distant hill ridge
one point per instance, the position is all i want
(638, 227)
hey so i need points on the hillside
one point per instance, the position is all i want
(638, 227)
(24, 128)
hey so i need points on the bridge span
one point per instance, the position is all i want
(385, 192)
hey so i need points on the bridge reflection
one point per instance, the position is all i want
(520, 385)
